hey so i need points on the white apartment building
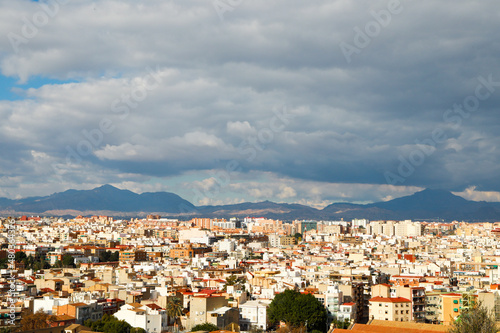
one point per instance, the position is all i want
(137, 315)
(254, 314)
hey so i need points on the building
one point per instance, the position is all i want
(225, 317)
(201, 306)
(452, 305)
(133, 255)
(417, 297)
(390, 308)
(281, 241)
(81, 311)
(253, 314)
(150, 317)
(187, 251)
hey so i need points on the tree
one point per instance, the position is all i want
(4, 263)
(36, 321)
(108, 256)
(297, 309)
(68, 260)
(104, 256)
(473, 320)
(20, 256)
(234, 280)
(175, 309)
(111, 324)
(341, 324)
(298, 236)
(137, 330)
(205, 327)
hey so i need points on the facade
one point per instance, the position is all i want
(133, 255)
(253, 314)
(390, 308)
(347, 312)
(81, 311)
(202, 305)
(143, 316)
(187, 251)
(452, 305)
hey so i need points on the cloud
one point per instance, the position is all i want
(471, 193)
(217, 89)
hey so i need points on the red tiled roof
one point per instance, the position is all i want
(390, 299)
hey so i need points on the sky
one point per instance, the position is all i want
(226, 101)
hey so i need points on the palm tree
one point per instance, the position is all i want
(175, 310)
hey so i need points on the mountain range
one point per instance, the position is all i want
(108, 200)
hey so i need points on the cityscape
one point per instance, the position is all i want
(419, 276)
(249, 166)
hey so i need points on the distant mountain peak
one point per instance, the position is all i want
(106, 187)
(427, 204)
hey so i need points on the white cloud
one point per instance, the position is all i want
(471, 193)
(221, 81)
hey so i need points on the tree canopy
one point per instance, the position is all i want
(234, 280)
(298, 309)
(68, 260)
(107, 256)
(36, 321)
(476, 319)
(111, 324)
(205, 327)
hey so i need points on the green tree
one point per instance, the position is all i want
(205, 327)
(175, 310)
(111, 324)
(4, 263)
(137, 330)
(474, 320)
(297, 309)
(115, 256)
(234, 280)
(104, 256)
(20, 256)
(298, 236)
(68, 260)
(341, 324)
(108, 256)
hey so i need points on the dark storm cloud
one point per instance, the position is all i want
(221, 82)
